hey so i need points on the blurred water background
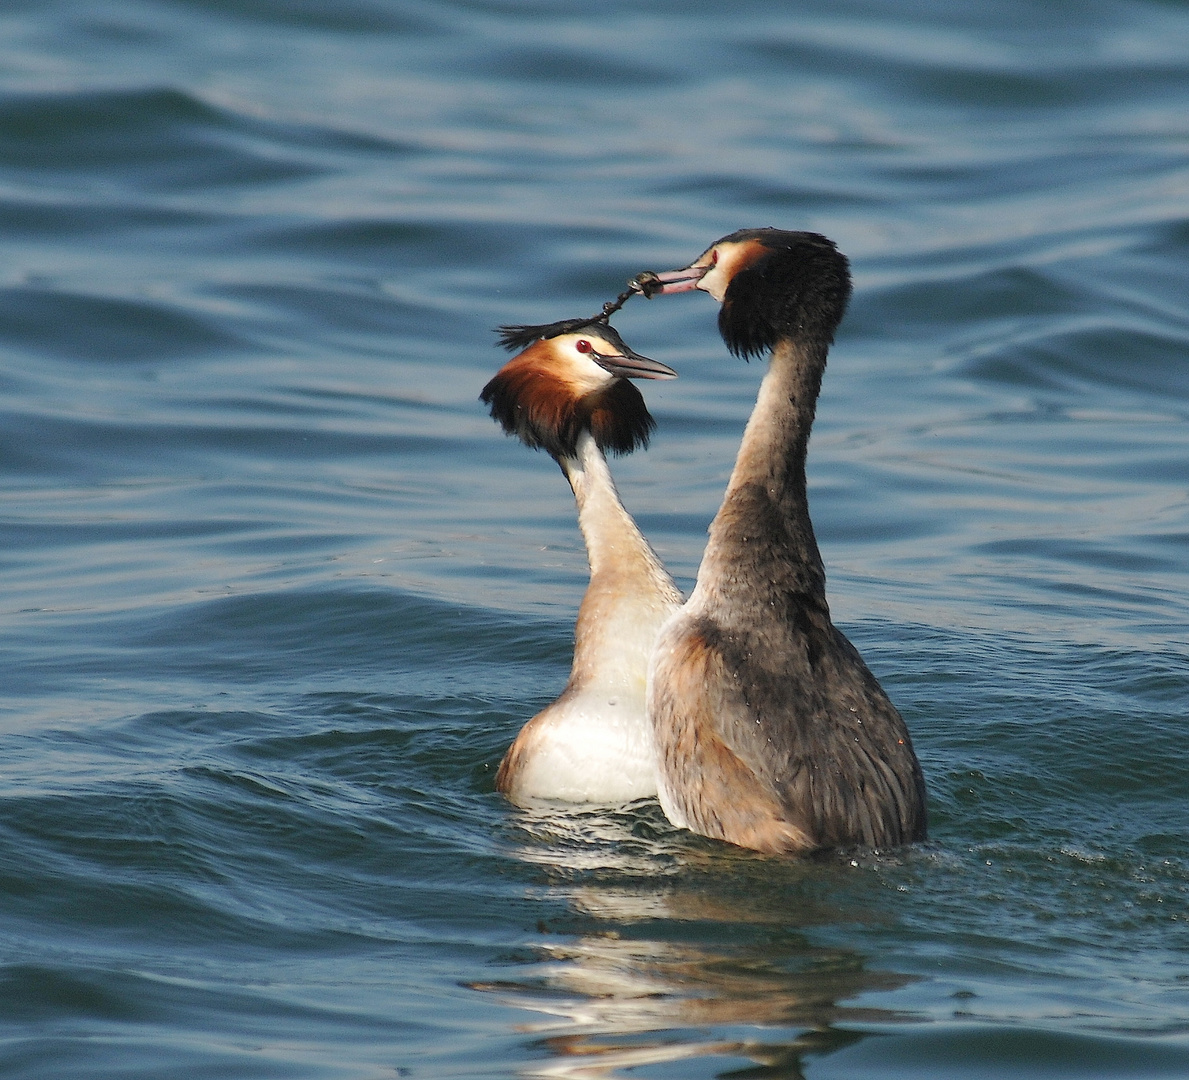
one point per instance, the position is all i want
(275, 594)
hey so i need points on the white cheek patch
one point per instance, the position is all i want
(732, 258)
(715, 283)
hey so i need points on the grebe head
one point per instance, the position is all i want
(572, 377)
(772, 284)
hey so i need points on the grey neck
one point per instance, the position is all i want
(762, 550)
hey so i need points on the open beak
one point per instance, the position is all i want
(670, 281)
(631, 365)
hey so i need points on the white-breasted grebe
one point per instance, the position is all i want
(567, 393)
(771, 732)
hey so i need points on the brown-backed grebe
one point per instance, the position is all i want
(770, 730)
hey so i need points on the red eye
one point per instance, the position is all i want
(582, 346)
(714, 257)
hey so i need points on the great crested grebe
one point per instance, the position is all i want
(567, 393)
(771, 732)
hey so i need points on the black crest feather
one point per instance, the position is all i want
(517, 337)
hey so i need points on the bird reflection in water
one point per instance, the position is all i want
(666, 952)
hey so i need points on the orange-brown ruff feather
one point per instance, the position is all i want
(547, 409)
(771, 732)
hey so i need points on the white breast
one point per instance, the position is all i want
(590, 745)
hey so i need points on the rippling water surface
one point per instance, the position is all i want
(276, 594)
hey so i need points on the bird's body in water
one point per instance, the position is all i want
(566, 393)
(771, 732)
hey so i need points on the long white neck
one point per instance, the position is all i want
(761, 546)
(630, 592)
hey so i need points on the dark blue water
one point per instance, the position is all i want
(275, 594)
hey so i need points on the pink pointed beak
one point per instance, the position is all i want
(670, 281)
